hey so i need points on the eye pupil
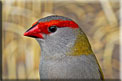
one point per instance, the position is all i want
(52, 29)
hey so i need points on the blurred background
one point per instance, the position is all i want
(98, 18)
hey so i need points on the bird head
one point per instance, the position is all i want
(58, 34)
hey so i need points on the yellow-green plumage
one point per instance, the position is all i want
(81, 46)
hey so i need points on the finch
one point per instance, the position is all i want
(65, 50)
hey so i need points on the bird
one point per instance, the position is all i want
(65, 49)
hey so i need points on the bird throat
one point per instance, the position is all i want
(81, 46)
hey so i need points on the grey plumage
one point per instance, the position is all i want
(53, 17)
(69, 67)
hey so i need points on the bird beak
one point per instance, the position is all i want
(34, 32)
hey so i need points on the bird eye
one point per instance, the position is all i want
(52, 29)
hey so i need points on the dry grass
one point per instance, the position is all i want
(99, 20)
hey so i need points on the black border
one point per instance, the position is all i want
(60, 80)
(1, 40)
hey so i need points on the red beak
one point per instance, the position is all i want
(34, 32)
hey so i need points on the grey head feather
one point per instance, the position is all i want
(53, 17)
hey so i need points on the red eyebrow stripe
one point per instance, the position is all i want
(60, 23)
(43, 26)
